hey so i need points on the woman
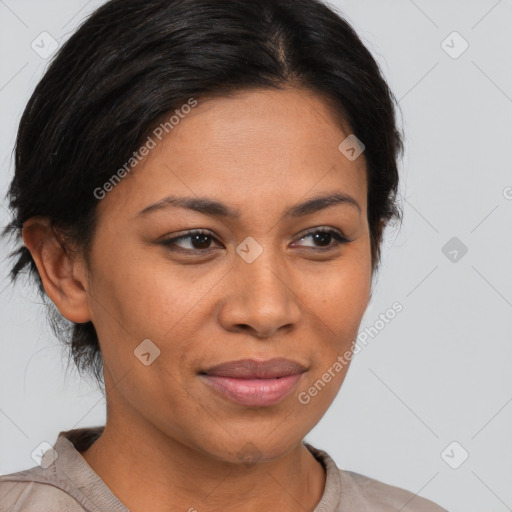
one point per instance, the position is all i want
(201, 187)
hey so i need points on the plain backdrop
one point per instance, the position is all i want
(427, 403)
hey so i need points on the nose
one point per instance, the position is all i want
(261, 299)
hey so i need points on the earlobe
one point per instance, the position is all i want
(61, 271)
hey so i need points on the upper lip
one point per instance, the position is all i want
(250, 368)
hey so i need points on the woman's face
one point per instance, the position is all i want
(259, 285)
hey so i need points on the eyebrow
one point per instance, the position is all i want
(215, 208)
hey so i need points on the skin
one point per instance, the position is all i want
(170, 440)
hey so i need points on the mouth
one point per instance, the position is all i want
(254, 383)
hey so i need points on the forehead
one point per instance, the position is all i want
(250, 145)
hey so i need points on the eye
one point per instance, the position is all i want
(193, 241)
(199, 241)
(324, 238)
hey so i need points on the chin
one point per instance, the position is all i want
(249, 451)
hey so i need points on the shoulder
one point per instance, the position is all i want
(384, 497)
(347, 491)
(32, 490)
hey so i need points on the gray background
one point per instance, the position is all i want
(440, 370)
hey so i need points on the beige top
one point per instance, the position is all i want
(69, 484)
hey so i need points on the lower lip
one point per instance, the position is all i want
(254, 392)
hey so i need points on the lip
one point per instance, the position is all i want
(255, 383)
(252, 369)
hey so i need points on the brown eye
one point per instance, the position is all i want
(324, 237)
(193, 241)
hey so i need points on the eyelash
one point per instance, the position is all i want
(337, 235)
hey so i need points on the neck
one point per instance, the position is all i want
(145, 466)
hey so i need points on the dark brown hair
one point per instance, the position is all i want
(134, 61)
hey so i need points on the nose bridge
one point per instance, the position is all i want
(265, 279)
(262, 278)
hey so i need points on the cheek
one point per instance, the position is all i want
(138, 295)
(348, 299)
(338, 304)
(339, 299)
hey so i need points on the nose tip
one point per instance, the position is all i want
(259, 301)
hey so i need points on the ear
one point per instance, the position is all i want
(62, 271)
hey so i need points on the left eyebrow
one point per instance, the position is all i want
(319, 203)
(215, 208)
